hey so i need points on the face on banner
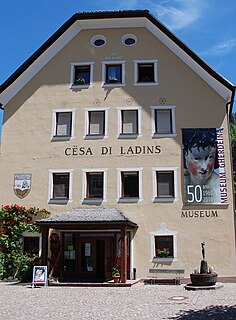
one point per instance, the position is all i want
(204, 167)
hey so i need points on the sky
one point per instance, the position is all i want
(208, 27)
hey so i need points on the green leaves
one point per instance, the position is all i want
(15, 220)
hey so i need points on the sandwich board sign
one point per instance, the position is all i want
(39, 276)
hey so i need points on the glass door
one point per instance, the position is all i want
(69, 255)
(87, 259)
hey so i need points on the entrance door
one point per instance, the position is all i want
(87, 259)
(95, 257)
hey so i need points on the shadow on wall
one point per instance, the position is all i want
(212, 312)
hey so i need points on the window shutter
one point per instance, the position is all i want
(163, 121)
(63, 124)
(96, 124)
(129, 121)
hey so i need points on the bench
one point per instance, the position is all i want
(168, 273)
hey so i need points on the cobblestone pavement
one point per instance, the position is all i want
(20, 301)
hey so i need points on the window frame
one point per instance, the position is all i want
(104, 73)
(73, 67)
(129, 36)
(120, 197)
(87, 135)
(50, 186)
(155, 197)
(86, 200)
(163, 233)
(55, 113)
(136, 73)
(154, 110)
(33, 235)
(98, 37)
(120, 134)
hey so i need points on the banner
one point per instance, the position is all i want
(204, 166)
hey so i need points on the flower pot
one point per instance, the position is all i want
(116, 279)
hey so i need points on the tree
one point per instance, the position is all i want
(14, 220)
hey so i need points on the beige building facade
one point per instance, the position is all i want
(121, 132)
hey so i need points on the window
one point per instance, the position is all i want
(163, 245)
(81, 75)
(163, 121)
(31, 244)
(63, 124)
(60, 186)
(96, 123)
(98, 41)
(165, 184)
(129, 185)
(113, 73)
(94, 186)
(129, 39)
(145, 72)
(129, 122)
(63, 121)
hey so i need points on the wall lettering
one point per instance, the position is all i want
(199, 214)
(105, 151)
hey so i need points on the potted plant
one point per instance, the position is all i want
(81, 80)
(113, 80)
(116, 273)
(163, 253)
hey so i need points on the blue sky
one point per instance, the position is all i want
(208, 27)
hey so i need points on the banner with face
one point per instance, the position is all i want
(204, 166)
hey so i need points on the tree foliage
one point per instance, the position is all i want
(14, 221)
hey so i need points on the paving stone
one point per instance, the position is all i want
(20, 301)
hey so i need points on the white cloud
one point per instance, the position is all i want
(175, 14)
(221, 48)
(179, 14)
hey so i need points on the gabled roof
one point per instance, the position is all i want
(112, 19)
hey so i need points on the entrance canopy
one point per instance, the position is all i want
(87, 217)
(83, 219)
